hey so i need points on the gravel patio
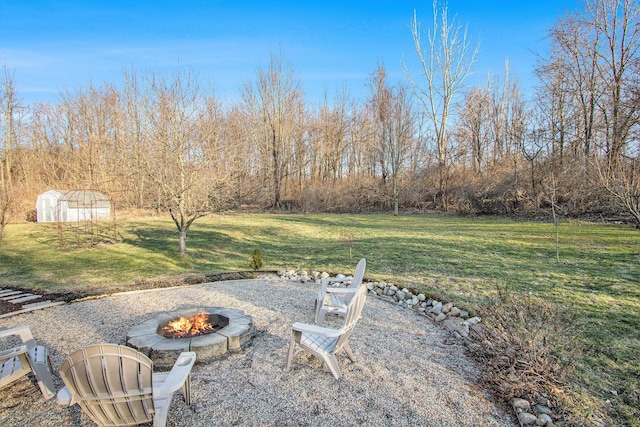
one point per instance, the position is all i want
(408, 372)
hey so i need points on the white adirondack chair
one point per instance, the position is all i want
(333, 299)
(324, 343)
(29, 357)
(115, 386)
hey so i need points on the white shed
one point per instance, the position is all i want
(72, 206)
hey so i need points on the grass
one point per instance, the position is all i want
(452, 258)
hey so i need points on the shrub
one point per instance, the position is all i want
(526, 345)
(256, 260)
(31, 216)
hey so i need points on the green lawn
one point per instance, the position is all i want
(457, 259)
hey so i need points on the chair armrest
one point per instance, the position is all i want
(13, 352)
(23, 332)
(342, 290)
(177, 376)
(316, 330)
(64, 397)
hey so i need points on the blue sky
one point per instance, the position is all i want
(53, 46)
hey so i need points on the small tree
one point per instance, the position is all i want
(349, 240)
(256, 260)
(182, 150)
(553, 198)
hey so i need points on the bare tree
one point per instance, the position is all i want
(394, 129)
(570, 75)
(618, 23)
(623, 183)
(446, 60)
(275, 105)
(474, 124)
(179, 159)
(330, 134)
(8, 108)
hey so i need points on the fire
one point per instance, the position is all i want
(190, 326)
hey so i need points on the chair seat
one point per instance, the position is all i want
(318, 342)
(11, 369)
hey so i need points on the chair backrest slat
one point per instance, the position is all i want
(113, 383)
(354, 311)
(358, 275)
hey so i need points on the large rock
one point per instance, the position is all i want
(527, 419)
(521, 404)
(437, 308)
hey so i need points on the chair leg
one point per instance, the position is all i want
(320, 313)
(332, 363)
(295, 336)
(41, 367)
(186, 390)
(347, 349)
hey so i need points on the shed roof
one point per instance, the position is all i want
(84, 199)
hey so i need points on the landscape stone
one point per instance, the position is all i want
(521, 404)
(143, 343)
(440, 317)
(437, 308)
(455, 312)
(165, 352)
(238, 336)
(541, 409)
(447, 307)
(422, 297)
(527, 419)
(547, 418)
(474, 320)
(541, 421)
(209, 347)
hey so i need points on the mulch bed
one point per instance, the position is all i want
(6, 307)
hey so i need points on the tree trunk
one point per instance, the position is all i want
(183, 241)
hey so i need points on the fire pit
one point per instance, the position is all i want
(212, 332)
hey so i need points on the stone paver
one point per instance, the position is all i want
(9, 295)
(24, 298)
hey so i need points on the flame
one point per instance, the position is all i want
(190, 326)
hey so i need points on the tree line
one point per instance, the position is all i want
(429, 142)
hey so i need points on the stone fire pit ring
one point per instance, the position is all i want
(233, 338)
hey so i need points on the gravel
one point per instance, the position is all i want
(408, 372)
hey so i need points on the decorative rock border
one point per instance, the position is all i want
(454, 319)
(234, 337)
